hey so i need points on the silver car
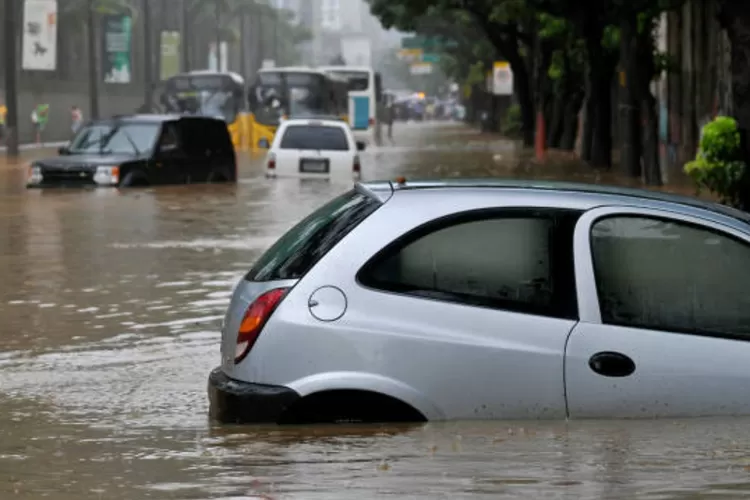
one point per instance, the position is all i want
(408, 301)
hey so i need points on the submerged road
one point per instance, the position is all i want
(110, 307)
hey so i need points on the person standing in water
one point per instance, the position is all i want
(3, 116)
(76, 120)
(39, 118)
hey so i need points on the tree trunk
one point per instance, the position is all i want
(597, 133)
(184, 35)
(570, 122)
(651, 168)
(630, 145)
(556, 122)
(734, 16)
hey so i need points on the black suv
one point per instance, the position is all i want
(141, 150)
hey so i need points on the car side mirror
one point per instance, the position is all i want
(263, 143)
(361, 146)
(62, 150)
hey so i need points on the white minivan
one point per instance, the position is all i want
(314, 148)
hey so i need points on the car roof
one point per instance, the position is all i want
(595, 194)
(292, 69)
(313, 121)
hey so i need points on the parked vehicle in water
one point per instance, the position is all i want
(314, 148)
(492, 300)
(293, 92)
(214, 94)
(141, 150)
(365, 96)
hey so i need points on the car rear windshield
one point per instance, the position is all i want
(295, 253)
(318, 137)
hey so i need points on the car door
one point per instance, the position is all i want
(169, 165)
(473, 312)
(664, 317)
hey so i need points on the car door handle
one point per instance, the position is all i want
(612, 364)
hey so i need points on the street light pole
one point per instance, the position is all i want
(11, 88)
(93, 61)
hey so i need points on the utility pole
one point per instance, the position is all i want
(218, 35)
(148, 49)
(93, 60)
(243, 43)
(184, 35)
(11, 87)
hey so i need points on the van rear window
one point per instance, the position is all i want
(319, 137)
(295, 253)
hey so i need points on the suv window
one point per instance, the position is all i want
(666, 275)
(295, 253)
(319, 137)
(519, 261)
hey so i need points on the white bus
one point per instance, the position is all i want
(365, 94)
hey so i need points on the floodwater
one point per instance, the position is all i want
(110, 307)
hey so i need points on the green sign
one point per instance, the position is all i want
(431, 58)
(116, 46)
(170, 54)
(427, 43)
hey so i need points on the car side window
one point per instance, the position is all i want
(673, 276)
(519, 262)
(169, 139)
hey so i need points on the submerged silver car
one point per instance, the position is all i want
(408, 301)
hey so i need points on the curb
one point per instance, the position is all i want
(32, 146)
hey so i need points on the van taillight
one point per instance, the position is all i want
(255, 319)
(372, 122)
(272, 162)
(357, 165)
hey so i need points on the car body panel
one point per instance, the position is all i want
(453, 361)
(288, 160)
(675, 375)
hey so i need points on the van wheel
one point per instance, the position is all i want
(349, 406)
(218, 176)
(134, 179)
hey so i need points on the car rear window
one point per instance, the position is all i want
(295, 253)
(319, 137)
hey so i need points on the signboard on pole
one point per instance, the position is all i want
(170, 54)
(116, 38)
(421, 68)
(410, 55)
(502, 78)
(39, 35)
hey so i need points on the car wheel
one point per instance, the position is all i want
(218, 176)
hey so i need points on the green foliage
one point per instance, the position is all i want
(718, 166)
(511, 125)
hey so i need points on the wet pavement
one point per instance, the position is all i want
(110, 307)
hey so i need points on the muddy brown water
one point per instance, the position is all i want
(110, 306)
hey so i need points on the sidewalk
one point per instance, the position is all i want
(34, 146)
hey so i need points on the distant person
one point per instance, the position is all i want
(39, 119)
(76, 119)
(390, 116)
(3, 117)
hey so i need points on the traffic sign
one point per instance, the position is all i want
(432, 44)
(421, 68)
(410, 55)
(431, 58)
(502, 78)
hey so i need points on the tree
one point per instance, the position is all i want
(506, 24)
(734, 17)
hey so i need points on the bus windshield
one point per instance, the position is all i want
(359, 81)
(290, 94)
(203, 95)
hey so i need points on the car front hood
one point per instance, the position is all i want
(83, 161)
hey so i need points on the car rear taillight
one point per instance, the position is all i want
(357, 165)
(271, 162)
(255, 319)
